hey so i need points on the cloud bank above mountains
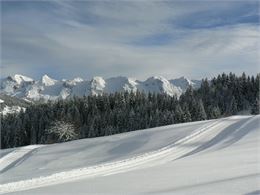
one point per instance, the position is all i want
(138, 39)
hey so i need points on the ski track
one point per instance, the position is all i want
(168, 153)
(15, 157)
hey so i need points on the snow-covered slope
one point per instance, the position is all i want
(10, 104)
(118, 84)
(50, 89)
(15, 85)
(21, 79)
(11, 109)
(47, 81)
(183, 83)
(209, 157)
(159, 85)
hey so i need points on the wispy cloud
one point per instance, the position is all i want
(138, 39)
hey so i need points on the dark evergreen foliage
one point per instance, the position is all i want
(108, 114)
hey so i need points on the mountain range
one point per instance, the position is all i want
(47, 88)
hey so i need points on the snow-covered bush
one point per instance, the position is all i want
(63, 131)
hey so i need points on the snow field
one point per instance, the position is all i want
(208, 137)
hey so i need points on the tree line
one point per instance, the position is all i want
(108, 114)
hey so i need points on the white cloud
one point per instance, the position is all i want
(88, 39)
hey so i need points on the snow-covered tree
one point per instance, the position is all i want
(214, 112)
(64, 131)
(255, 107)
(232, 108)
(186, 113)
(201, 114)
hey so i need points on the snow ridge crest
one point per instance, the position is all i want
(51, 89)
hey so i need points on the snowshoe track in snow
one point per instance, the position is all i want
(168, 153)
(15, 157)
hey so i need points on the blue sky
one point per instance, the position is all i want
(65, 39)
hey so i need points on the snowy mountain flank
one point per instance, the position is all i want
(51, 89)
(10, 104)
(218, 156)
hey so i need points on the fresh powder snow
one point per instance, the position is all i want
(216, 156)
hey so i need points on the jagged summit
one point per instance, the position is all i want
(159, 84)
(47, 81)
(18, 78)
(120, 83)
(50, 89)
(184, 83)
(98, 80)
(97, 85)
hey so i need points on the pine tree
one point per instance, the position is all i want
(201, 114)
(186, 113)
(178, 114)
(214, 112)
(255, 107)
(233, 107)
(91, 132)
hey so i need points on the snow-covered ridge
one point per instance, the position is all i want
(183, 83)
(20, 78)
(51, 89)
(47, 81)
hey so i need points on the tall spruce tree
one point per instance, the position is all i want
(255, 107)
(200, 111)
